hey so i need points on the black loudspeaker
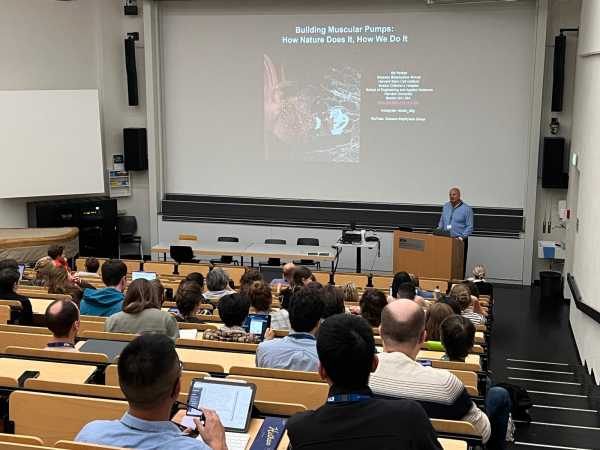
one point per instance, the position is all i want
(132, 85)
(558, 79)
(135, 145)
(553, 174)
(96, 218)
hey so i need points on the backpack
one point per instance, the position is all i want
(520, 401)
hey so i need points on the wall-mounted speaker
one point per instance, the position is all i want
(558, 78)
(132, 84)
(553, 164)
(135, 145)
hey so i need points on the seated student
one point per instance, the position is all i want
(217, 283)
(333, 301)
(41, 269)
(260, 297)
(296, 351)
(9, 277)
(372, 303)
(435, 316)
(196, 277)
(62, 318)
(286, 281)
(352, 418)
(469, 309)
(399, 278)
(233, 309)
(91, 268)
(59, 282)
(141, 313)
(150, 378)
(109, 300)
(248, 278)
(58, 259)
(440, 392)
(350, 293)
(406, 291)
(300, 276)
(451, 301)
(485, 288)
(188, 299)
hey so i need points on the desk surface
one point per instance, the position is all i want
(321, 253)
(39, 305)
(49, 371)
(222, 358)
(453, 444)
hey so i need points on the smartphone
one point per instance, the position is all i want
(27, 375)
(174, 310)
(257, 324)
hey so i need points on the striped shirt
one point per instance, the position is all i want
(477, 319)
(442, 394)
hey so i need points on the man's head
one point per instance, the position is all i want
(371, 304)
(62, 318)
(250, 276)
(346, 350)
(217, 279)
(9, 264)
(306, 308)
(462, 293)
(454, 195)
(233, 309)
(55, 251)
(406, 291)
(301, 276)
(333, 301)
(149, 372)
(403, 327)
(399, 278)
(288, 272)
(458, 336)
(188, 297)
(114, 274)
(196, 277)
(8, 279)
(92, 264)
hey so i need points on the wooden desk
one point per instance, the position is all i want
(221, 358)
(453, 444)
(49, 371)
(39, 305)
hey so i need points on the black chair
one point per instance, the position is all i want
(182, 254)
(313, 242)
(226, 259)
(273, 261)
(127, 227)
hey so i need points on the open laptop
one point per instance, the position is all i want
(270, 273)
(231, 400)
(150, 276)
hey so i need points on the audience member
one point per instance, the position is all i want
(9, 263)
(188, 299)
(91, 268)
(333, 301)
(150, 378)
(217, 283)
(286, 281)
(56, 253)
(399, 278)
(296, 351)
(141, 313)
(350, 293)
(457, 333)
(441, 393)
(405, 291)
(372, 303)
(352, 418)
(451, 301)
(197, 277)
(300, 276)
(109, 300)
(41, 269)
(260, 297)
(248, 278)
(233, 309)
(62, 318)
(469, 309)
(479, 273)
(436, 313)
(159, 289)
(59, 282)
(9, 277)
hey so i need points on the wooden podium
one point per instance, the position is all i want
(428, 256)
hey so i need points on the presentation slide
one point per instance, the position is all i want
(382, 107)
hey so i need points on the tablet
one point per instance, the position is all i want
(232, 401)
(145, 275)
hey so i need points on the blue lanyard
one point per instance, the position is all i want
(454, 208)
(302, 336)
(60, 344)
(341, 398)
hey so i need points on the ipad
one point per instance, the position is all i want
(232, 401)
(145, 275)
(257, 324)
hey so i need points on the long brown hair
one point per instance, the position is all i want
(141, 295)
(435, 316)
(58, 280)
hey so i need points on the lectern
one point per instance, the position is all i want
(427, 255)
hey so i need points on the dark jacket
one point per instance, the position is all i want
(26, 317)
(373, 423)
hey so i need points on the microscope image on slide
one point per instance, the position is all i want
(312, 120)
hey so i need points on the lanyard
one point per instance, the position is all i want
(454, 208)
(302, 336)
(341, 398)
(60, 344)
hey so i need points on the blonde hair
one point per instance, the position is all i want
(479, 271)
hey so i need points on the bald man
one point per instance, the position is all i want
(62, 318)
(442, 394)
(457, 220)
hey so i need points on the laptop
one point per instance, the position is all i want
(231, 400)
(150, 276)
(271, 273)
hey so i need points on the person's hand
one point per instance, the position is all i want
(476, 306)
(459, 238)
(355, 310)
(269, 334)
(212, 432)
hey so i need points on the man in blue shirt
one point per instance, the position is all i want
(457, 219)
(150, 378)
(298, 350)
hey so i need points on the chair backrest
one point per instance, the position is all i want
(314, 242)
(276, 373)
(19, 446)
(127, 225)
(36, 353)
(93, 390)
(322, 277)
(235, 273)
(161, 268)
(108, 336)
(53, 417)
(31, 340)
(187, 237)
(228, 239)
(20, 439)
(4, 314)
(90, 325)
(381, 282)
(185, 269)
(359, 280)
(112, 377)
(276, 241)
(181, 253)
(133, 265)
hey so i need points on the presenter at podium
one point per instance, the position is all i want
(457, 220)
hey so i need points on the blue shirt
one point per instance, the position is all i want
(132, 432)
(297, 351)
(460, 219)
